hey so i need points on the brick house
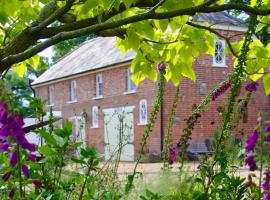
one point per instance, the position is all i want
(92, 84)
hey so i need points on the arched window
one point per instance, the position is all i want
(95, 117)
(219, 57)
(143, 111)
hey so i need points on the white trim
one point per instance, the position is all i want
(80, 75)
(99, 97)
(128, 109)
(229, 27)
(71, 102)
(130, 92)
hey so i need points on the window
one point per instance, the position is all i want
(73, 91)
(51, 95)
(130, 84)
(219, 57)
(143, 112)
(99, 85)
(95, 117)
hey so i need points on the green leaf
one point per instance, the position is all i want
(46, 150)
(162, 24)
(253, 3)
(266, 83)
(128, 3)
(48, 137)
(78, 161)
(20, 69)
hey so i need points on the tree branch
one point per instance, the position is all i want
(58, 13)
(96, 28)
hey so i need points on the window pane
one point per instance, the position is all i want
(219, 57)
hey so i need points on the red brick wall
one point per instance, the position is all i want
(114, 85)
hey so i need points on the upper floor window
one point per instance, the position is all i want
(51, 95)
(219, 57)
(143, 111)
(95, 117)
(73, 91)
(99, 85)
(130, 84)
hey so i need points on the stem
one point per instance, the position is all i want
(84, 184)
(20, 171)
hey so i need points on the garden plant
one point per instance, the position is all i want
(162, 33)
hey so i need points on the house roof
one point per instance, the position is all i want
(101, 52)
(219, 18)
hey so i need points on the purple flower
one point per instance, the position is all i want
(6, 176)
(220, 91)
(251, 163)
(267, 139)
(267, 128)
(13, 159)
(11, 193)
(266, 197)
(251, 141)
(32, 157)
(161, 67)
(173, 155)
(25, 171)
(252, 87)
(4, 146)
(37, 183)
(5, 131)
(265, 185)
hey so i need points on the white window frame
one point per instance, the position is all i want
(131, 88)
(223, 63)
(99, 86)
(94, 117)
(51, 99)
(73, 91)
(143, 121)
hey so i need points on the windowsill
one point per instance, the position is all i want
(142, 124)
(70, 102)
(130, 92)
(94, 126)
(216, 65)
(99, 97)
(51, 105)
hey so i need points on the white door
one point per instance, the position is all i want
(119, 133)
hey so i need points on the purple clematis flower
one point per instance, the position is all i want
(13, 159)
(32, 157)
(251, 141)
(37, 183)
(6, 176)
(252, 87)
(265, 185)
(251, 163)
(25, 171)
(266, 197)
